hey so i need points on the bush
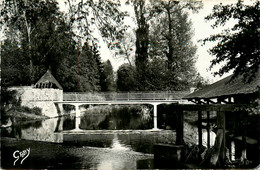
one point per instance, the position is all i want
(25, 109)
(9, 97)
(37, 111)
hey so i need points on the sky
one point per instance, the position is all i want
(203, 30)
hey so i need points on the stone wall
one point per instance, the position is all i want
(42, 98)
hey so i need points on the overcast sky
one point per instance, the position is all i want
(203, 30)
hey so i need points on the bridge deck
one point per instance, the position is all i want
(124, 96)
(119, 102)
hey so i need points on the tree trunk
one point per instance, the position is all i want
(28, 28)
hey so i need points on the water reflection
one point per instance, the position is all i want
(116, 118)
(62, 130)
(116, 145)
(36, 130)
(119, 136)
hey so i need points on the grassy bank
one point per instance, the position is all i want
(20, 113)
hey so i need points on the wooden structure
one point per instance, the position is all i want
(225, 96)
(48, 81)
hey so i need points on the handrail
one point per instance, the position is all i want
(123, 96)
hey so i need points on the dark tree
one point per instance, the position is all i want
(126, 80)
(238, 48)
(142, 41)
(142, 35)
(14, 65)
(108, 79)
(80, 71)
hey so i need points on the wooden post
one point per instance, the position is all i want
(200, 127)
(219, 146)
(179, 128)
(223, 148)
(243, 157)
(208, 130)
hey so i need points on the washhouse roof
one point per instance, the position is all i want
(227, 87)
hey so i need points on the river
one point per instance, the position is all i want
(116, 140)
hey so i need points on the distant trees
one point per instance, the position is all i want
(238, 47)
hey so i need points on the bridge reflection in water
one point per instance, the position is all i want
(129, 98)
(117, 149)
(60, 130)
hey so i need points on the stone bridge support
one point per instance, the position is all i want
(77, 116)
(155, 116)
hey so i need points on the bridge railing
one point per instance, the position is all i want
(123, 96)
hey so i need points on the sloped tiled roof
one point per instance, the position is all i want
(225, 87)
(48, 78)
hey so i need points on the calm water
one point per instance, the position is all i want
(117, 139)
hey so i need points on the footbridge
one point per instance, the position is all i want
(126, 98)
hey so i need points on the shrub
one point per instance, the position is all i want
(25, 109)
(37, 111)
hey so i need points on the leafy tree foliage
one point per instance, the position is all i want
(238, 48)
(165, 55)
(104, 16)
(37, 30)
(171, 39)
(14, 71)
